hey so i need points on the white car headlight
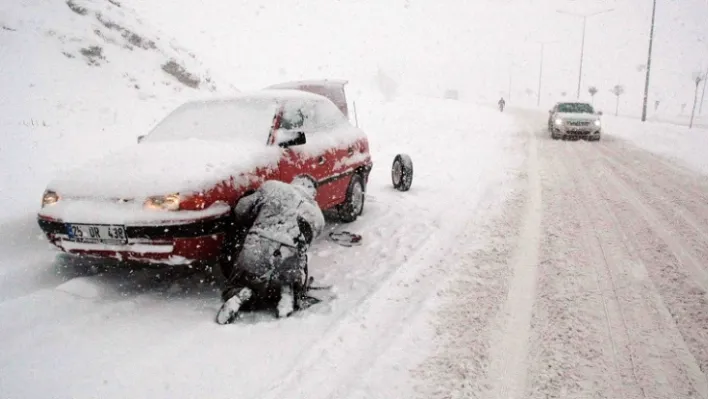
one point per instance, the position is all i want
(50, 198)
(597, 122)
(164, 202)
(559, 121)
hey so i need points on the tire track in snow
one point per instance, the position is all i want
(669, 220)
(458, 362)
(646, 310)
(625, 382)
(355, 339)
(572, 353)
(672, 270)
(507, 371)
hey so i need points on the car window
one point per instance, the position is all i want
(297, 115)
(293, 118)
(224, 120)
(575, 108)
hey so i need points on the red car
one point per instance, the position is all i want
(168, 199)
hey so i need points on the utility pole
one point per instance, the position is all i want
(582, 51)
(582, 44)
(705, 81)
(540, 77)
(646, 82)
(540, 69)
(695, 99)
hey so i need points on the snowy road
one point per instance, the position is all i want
(517, 267)
(621, 309)
(608, 298)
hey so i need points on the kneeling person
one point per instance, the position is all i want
(281, 220)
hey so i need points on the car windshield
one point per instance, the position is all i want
(576, 108)
(225, 120)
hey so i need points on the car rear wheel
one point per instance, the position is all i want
(353, 205)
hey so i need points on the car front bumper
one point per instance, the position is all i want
(578, 131)
(181, 243)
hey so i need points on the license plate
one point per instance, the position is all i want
(97, 233)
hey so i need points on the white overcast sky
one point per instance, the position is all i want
(431, 45)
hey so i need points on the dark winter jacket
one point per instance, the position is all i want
(281, 212)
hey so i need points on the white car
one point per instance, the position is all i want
(574, 119)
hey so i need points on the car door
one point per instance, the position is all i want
(312, 158)
(346, 149)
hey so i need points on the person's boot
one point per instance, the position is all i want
(229, 310)
(286, 305)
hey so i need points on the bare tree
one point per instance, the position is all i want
(618, 90)
(697, 78)
(592, 90)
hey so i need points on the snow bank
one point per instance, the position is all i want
(79, 79)
(679, 143)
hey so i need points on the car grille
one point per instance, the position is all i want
(578, 123)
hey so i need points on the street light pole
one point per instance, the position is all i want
(705, 81)
(540, 77)
(646, 82)
(540, 69)
(582, 44)
(582, 50)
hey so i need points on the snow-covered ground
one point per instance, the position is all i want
(113, 332)
(679, 143)
(515, 267)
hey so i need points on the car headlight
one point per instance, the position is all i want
(163, 202)
(597, 122)
(49, 198)
(559, 122)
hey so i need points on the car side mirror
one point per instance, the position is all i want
(140, 138)
(290, 139)
(599, 112)
(550, 111)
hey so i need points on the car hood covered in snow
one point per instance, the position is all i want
(162, 168)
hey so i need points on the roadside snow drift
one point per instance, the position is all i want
(80, 78)
(678, 143)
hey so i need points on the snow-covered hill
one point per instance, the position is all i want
(79, 77)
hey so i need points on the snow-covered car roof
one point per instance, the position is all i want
(246, 116)
(277, 95)
(332, 89)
